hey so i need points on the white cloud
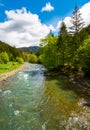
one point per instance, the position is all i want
(67, 22)
(48, 7)
(85, 14)
(85, 11)
(22, 28)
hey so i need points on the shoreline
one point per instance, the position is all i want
(7, 75)
(77, 78)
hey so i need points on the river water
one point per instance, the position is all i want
(31, 101)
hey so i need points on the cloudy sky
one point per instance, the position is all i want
(25, 22)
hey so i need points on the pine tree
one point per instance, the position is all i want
(76, 21)
(51, 33)
(76, 27)
(61, 44)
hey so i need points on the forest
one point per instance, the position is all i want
(9, 53)
(70, 49)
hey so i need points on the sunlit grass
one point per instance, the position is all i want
(9, 67)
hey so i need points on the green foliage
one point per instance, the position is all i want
(1, 61)
(63, 44)
(9, 66)
(19, 60)
(11, 51)
(49, 51)
(8, 57)
(56, 51)
(40, 59)
(66, 49)
(84, 55)
(32, 58)
(4, 57)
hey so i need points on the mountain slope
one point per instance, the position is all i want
(31, 49)
(11, 51)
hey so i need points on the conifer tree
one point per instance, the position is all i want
(62, 44)
(76, 21)
(76, 26)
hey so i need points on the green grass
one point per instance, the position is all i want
(9, 67)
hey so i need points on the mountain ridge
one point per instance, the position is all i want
(30, 49)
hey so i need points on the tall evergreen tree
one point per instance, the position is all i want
(76, 21)
(51, 33)
(62, 44)
(76, 27)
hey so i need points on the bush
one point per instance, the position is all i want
(19, 60)
(40, 59)
(4, 57)
(32, 58)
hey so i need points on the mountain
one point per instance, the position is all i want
(31, 49)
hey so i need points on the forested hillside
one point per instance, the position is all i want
(10, 58)
(12, 52)
(8, 53)
(31, 49)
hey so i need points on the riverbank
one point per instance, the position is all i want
(76, 77)
(6, 75)
(79, 83)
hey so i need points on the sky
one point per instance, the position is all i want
(24, 22)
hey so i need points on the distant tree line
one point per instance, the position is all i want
(9, 53)
(70, 48)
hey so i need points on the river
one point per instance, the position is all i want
(31, 101)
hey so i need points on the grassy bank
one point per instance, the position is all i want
(10, 66)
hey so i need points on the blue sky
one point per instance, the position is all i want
(46, 12)
(62, 8)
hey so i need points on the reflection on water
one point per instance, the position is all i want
(30, 101)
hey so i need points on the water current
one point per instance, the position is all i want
(31, 101)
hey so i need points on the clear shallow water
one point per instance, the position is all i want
(31, 101)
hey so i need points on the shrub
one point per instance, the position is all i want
(4, 57)
(32, 58)
(19, 60)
